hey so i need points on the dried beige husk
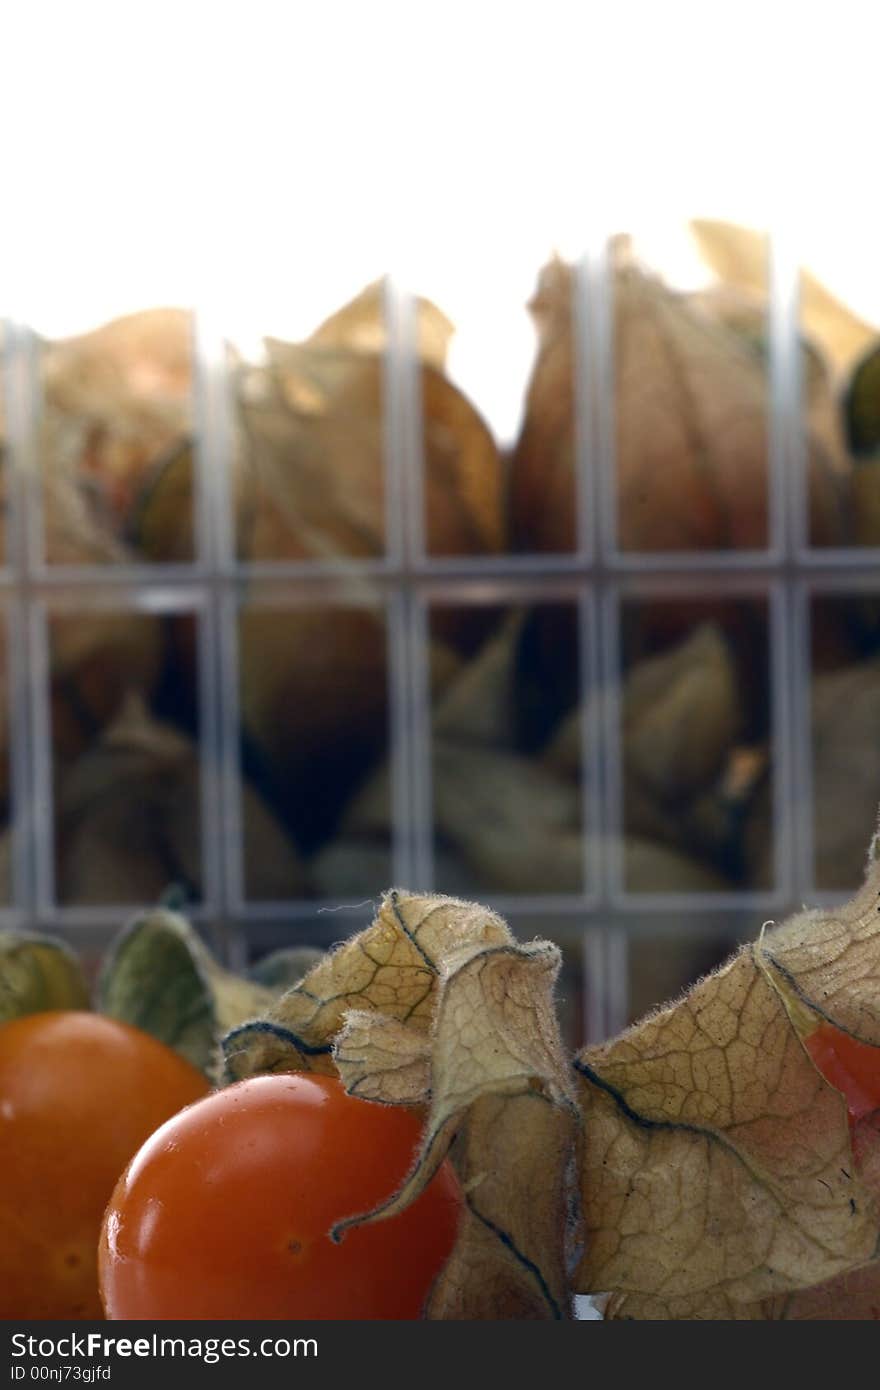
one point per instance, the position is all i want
(133, 364)
(688, 776)
(862, 406)
(747, 315)
(681, 714)
(314, 427)
(845, 770)
(360, 326)
(309, 446)
(310, 427)
(691, 422)
(862, 416)
(101, 655)
(116, 400)
(97, 655)
(313, 696)
(663, 964)
(6, 869)
(344, 868)
(719, 1173)
(437, 1005)
(691, 427)
(515, 824)
(479, 707)
(510, 823)
(506, 821)
(98, 659)
(719, 1176)
(392, 970)
(845, 775)
(129, 821)
(738, 255)
(866, 506)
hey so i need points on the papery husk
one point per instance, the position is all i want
(313, 692)
(304, 420)
(392, 968)
(692, 419)
(314, 707)
(662, 965)
(858, 488)
(512, 824)
(116, 400)
(314, 426)
(515, 825)
(97, 656)
(353, 860)
(470, 859)
(738, 255)
(310, 443)
(493, 1271)
(38, 973)
(6, 870)
(845, 775)
(5, 461)
(159, 976)
(853, 1297)
(746, 314)
(691, 414)
(681, 714)
(133, 364)
(129, 821)
(360, 326)
(159, 524)
(309, 446)
(506, 821)
(861, 409)
(862, 406)
(99, 659)
(682, 721)
(719, 1172)
(866, 507)
(435, 1004)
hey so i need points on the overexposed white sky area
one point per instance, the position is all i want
(268, 159)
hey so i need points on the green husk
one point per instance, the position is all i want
(160, 977)
(38, 973)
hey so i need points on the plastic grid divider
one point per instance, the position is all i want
(788, 570)
(25, 822)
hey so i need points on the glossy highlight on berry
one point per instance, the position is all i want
(226, 1211)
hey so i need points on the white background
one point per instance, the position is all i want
(271, 158)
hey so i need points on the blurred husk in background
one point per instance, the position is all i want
(509, 721)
